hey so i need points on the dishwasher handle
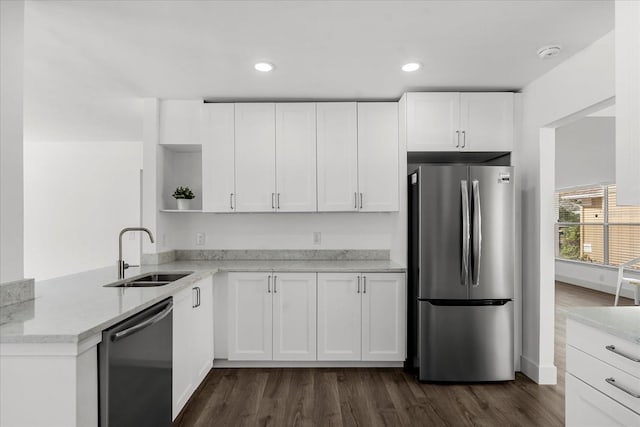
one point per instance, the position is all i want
(140, 326)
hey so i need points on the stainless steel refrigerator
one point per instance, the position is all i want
(461, 273)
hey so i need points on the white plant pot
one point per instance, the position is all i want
(183, 204)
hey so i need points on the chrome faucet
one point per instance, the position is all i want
(122, 266)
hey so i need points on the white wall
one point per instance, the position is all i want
(11, 182)
(586, 152)
(574, 85)
(78, 196)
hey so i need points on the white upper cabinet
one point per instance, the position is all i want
(295, 157)
(432, 121)
(383, 316)
(337, 147)
(180, 122)
(218, 178)
(339, 316)
(378, 156)
(454, 121)
(255, 157)
(294, 316)
(249, 305)
(486, 121)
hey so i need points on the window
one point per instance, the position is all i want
(591, 227)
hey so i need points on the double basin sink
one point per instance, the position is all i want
(149, 280)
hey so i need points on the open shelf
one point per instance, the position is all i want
(182, 166)
(181, 210)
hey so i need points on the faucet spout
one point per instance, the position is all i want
(122, 266)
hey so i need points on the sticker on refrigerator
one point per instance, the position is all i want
(504, 178)
(414, 178)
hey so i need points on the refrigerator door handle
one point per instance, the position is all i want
(464, 193)
(477, 234)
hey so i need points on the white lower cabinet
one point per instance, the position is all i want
(361, 316)
(272, 316)
(192, 340)
(339, 316)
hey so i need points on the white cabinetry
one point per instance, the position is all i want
(218, 158)
(337, 146)
(272, 316)
(180, 122)
(296, 157)
(602, 379)
(255, 157)
(339, 316)
(378, 156)
(192, 340)
(361, 316)
(453, 121)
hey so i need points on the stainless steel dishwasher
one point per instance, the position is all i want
(135, 358)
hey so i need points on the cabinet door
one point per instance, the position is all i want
(182, 376)
(294, 316)
(378, 156)
(486, 120)
(255, 157)
(432, 121)
(384, 317)
(296, 157)
(337, 133)
(249, 335)
(218, 180)
(202, 330)
(586, 406)
(339, 316)
(180, 122)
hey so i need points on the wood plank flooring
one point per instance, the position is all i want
(382, 397)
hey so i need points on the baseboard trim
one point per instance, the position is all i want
(546, 374)
(223, 363)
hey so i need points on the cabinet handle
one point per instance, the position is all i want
(269, 284)
(364, 284)
(273, 203)
(612, 348)
(360, 200)
(199, 299)
(355, 200)
(231, 201)
(278, 201)
(464, 138)
(457, 139)
(275, 284)
(358, 291)
(612, 381)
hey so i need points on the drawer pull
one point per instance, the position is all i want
(612, 348)
(612, 381)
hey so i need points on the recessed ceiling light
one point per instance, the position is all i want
(411, 66)
(549, 51)
(265, 67)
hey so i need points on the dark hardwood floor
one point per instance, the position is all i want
(382, 397)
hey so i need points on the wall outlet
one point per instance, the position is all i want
(164, 240)
(317, 237)
(200, 239)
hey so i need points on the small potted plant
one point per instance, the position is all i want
(183, 196)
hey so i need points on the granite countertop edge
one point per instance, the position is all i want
(623, 322)
(201, 270)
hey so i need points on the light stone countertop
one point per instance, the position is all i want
(623, 322)
(73, 308)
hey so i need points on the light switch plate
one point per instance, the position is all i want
(200, 239)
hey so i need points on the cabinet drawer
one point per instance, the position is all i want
(586, 406)
(596, 373)
(603, 346)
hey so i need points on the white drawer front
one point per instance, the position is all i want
(595, 342)
(595, 373)
(587, 407)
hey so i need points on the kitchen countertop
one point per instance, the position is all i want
(73, 308)
(623, 322)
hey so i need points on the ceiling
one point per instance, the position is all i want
(88, 64)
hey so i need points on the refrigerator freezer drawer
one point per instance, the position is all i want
(467, 343)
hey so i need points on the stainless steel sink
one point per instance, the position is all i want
(149, 280)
